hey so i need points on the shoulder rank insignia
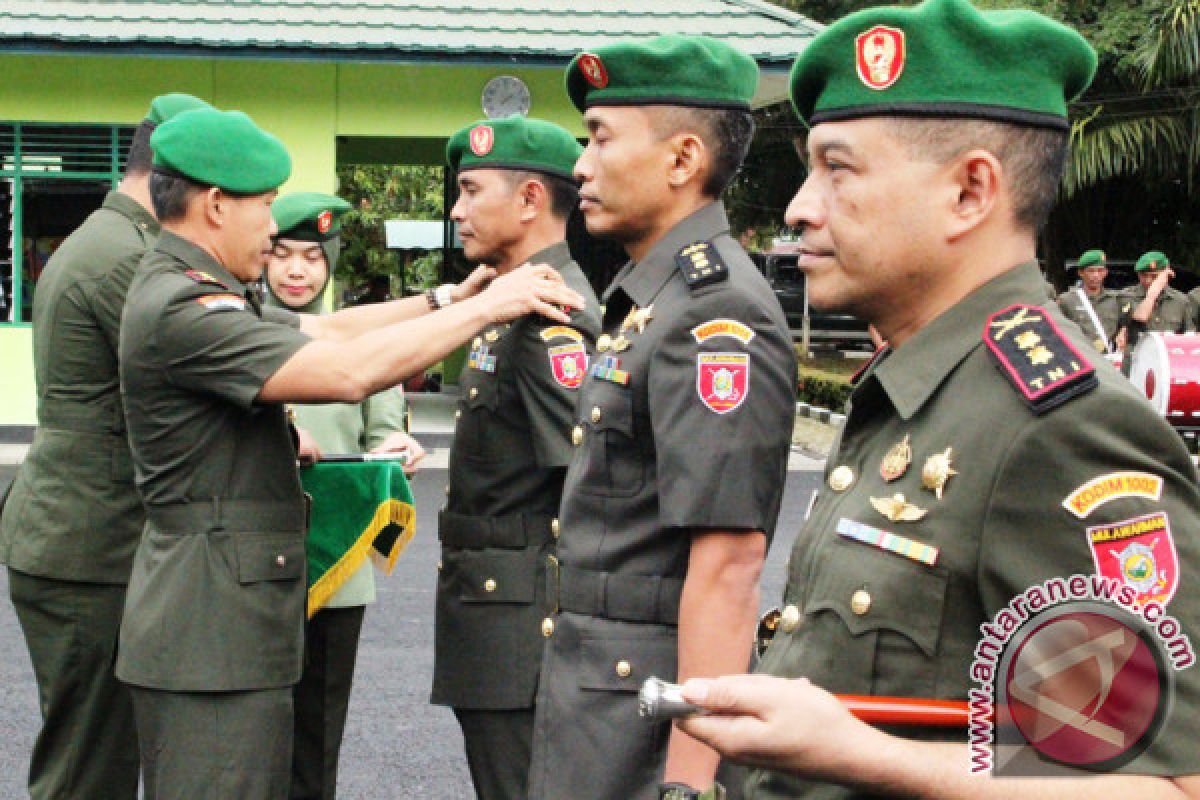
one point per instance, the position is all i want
(1036, 358)
(701, 265)
(203, 277)
(222, 302)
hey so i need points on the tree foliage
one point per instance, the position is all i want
(379, 193)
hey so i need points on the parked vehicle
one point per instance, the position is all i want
(826, 331)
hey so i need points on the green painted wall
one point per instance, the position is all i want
(309, 105)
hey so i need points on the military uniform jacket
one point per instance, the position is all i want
(216, 599)
(1172, 313)
(1108, 307)
(73, 512)
(684, 423)
(901, 616)
(511, 447)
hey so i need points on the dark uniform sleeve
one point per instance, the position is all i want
(281, 316)
(722, 412)
(107, 299)
(1058, 509)
(214, 342)
(550, 366)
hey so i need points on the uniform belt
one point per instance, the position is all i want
(508, 531)
(220, 514)
(612, 595)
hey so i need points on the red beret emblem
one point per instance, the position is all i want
(324, 221)
(879, 56)
(593, 70)
(482, 138)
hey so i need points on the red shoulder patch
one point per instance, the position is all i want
(1037, 359)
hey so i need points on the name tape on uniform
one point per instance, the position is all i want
(1114, 485)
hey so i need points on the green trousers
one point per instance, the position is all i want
(499, 747)
(215, 745)
(322, 698)
(87, 747)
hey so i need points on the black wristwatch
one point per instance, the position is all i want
(681, 791)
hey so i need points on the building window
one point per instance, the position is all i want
(51, 177)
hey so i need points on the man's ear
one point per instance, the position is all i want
(691, 159)
(214, 206)
(534, 199)
(978, 183)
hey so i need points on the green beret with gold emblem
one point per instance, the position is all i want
(514, 142)
(1092, 258)
(943, 58)
(1155, 260)
(220, 148)
(673, 70)
(165, 106)
(309, 216)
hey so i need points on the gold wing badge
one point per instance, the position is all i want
(897, 509)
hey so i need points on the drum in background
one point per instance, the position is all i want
(1166, 368)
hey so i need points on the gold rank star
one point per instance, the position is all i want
(1027, 340)
(1040, 355)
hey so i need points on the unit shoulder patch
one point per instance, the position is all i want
(1037, 359)
(722, 327)
(560, 332)
(222, 302)
(568, 363)
(199, 276)
(701, 265)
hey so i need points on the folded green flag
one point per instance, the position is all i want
(358, 509)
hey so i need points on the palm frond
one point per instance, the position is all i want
(1170, 54)
(1104, 148)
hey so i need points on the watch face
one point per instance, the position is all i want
(504, 96)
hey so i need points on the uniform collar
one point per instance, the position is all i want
(557, 255)
(194, 257)
(642, 281)
(911, 373)
(126, 206)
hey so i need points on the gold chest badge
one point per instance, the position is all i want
(896, 461)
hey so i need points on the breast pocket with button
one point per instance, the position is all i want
(616, 461)
(890, 606)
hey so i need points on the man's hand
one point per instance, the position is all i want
(307, 452)
(776, 723)
(480, 277)
(401, 442)
(536, 289)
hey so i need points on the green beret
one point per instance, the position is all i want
(943, 58)
(671, 70)
(220, 148)
(165, 106)
(1155, 259)
(1092, 258)
(514, 143)
(309, 216)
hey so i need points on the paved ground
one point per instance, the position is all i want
(397, 745)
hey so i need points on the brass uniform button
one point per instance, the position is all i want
(489, 585)
(624, 670)
(473, 393)
(860, 602)
(554, 527)
(841, 479)
(596, 414)
(280, 560)
(790, 619)
(577, 436)
(476, 341)
(439, 566)
(603, 343)
(547, 627)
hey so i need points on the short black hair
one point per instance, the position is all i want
(726, 133)
(564, 193)
(1033, 158)
(170, 195)
(140, 158)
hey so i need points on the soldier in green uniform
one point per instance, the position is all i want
(211, 641)
(1153, 305)
(73, 516)
(986, 449)
(512, 444)
(683, 427)
(1093, 307)
(303, 259)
